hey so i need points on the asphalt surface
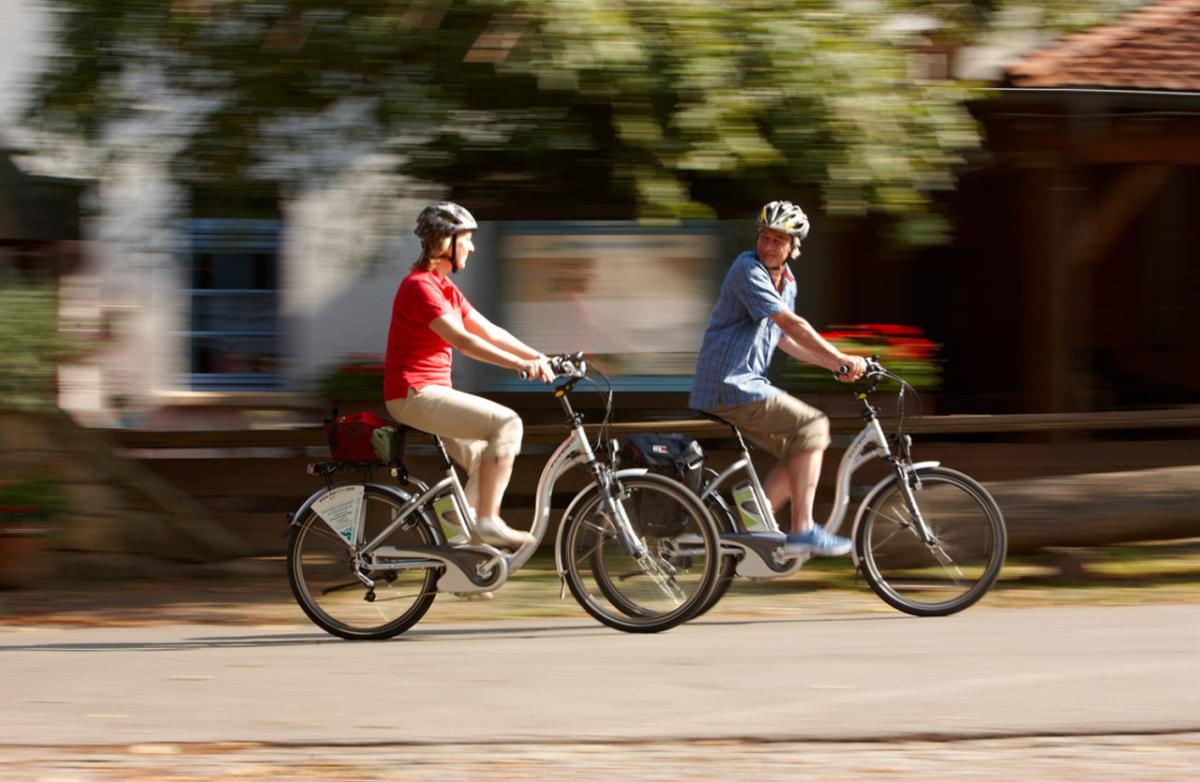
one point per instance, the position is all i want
(1020, 672)
(840, 693)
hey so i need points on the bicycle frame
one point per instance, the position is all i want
(870, 443)
(482, 558)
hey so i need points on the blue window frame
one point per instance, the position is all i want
(233, 326)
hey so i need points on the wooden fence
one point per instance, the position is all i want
(249, 479)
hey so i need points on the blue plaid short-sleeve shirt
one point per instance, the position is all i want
(731, 368)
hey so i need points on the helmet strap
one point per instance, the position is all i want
(455, 263)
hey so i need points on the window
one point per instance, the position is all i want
(233, 330)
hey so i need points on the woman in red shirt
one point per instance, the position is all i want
(430, 317)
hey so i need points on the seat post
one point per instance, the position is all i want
(737, 434)
(441, 447)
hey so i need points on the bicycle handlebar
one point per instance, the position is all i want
(874, 371)
(566, 364)
(572, 364)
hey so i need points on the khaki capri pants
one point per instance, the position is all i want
(472, 427)
(782, 424)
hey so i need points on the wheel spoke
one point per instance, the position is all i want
(325, 584)
(665, 583)
(880, 544)
(644, 593)
(605, 536)
(944, 576)
(323, 531)
(947, 564)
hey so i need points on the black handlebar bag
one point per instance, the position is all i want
(675, 456)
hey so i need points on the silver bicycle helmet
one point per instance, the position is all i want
(787, 217)
(442, 219)
(437, 221)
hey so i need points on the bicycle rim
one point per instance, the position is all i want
(932, 580)
(321, 573)
(672, 580)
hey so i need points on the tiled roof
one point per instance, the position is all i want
(1156, 47)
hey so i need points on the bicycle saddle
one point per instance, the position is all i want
(712, 417)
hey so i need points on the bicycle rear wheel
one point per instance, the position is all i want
(321, 571)
(941, 579)
(668, 584)
(728, 569)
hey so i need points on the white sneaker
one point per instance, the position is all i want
(474, 595)
(493, 530)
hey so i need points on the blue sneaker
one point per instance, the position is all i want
(816, 540)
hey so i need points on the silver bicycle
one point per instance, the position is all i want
(366, 559)
(930, 541)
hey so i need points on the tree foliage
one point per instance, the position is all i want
(659, 108)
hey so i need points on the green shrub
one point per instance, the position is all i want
(30, 497)
(32, 345)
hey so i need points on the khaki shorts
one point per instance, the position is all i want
(782, 424)
(471, 427)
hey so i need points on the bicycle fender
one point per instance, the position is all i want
(630, 472)
(294, 520)
(875, 491)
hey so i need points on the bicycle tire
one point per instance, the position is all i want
(321, 573)
(906, 573)
(727, 571)
(613, 587)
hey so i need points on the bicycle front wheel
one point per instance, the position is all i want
(322, 566)
(947, 576)
(665, 586)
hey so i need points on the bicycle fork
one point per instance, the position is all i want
(906, 476)
(654, 567)
(616, 513)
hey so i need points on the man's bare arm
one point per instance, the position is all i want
(800, 340)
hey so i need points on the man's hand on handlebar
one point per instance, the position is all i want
(852, 369)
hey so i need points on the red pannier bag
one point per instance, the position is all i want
(350, 436)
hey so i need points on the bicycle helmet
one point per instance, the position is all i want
(787, 217)
(439, 220)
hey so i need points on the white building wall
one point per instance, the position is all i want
(337, 298)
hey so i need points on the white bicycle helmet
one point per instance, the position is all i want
(787, 217)
(442, 219)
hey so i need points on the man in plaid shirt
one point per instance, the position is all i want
(753, 315)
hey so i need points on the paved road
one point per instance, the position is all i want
(986, 673)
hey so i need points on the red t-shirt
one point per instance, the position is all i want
(416, 355)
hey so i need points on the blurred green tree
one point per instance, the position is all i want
(660, 109)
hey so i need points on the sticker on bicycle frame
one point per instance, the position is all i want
(341, 509)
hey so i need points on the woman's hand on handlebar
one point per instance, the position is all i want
(852, 369)
(537, 369)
